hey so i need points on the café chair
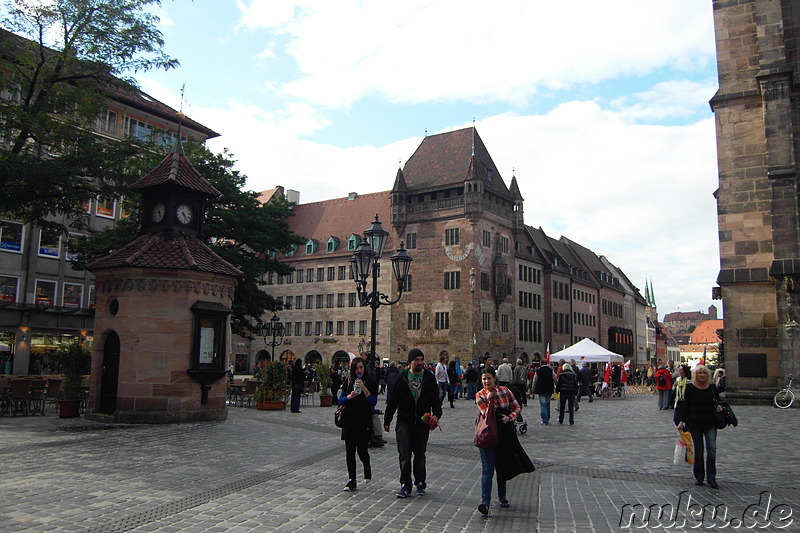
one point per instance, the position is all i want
(20, 396)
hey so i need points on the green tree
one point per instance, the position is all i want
(238, 228)
(73, 55)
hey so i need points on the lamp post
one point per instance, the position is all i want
(273, 329)
(363, 264)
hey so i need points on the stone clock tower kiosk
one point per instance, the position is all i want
(163, 303)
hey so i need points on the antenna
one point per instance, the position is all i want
(473, 136)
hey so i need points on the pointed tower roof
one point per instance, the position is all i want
(447, 159)
(399, 182)
(176, 169)
(514, 189)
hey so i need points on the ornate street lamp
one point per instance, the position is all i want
(272, 332)
(364, 264)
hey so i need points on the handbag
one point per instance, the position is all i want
(339, 415)
(486, 429)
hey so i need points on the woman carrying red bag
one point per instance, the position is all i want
(504, 402)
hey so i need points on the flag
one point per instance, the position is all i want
(625, 368)
(703, 359)
(607, 374)
(547, 355)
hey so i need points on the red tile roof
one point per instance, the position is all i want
(706, 332)
(446, 159)
(154, 251)
(176, 168)
(340, 218)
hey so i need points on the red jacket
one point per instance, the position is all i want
(667, 378)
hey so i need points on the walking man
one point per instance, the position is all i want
(442, 380)
(415, 394)
(585, 383)
(544, 385)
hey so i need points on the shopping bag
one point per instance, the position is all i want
(679, 457)
(555, 396)
(686, 437)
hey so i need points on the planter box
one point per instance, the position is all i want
(326, 401)
(274, 405)
(69, 408)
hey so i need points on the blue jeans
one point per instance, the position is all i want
(488, 467)
(471, 391)
(663, 399)
(544, 407)
(443, 387)
(709, 469)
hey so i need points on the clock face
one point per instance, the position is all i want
(184, 214)
(157, 214)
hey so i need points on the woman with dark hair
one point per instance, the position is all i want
(297, 378)
(684, 377)
(359, 394)
(453, 378)
(508, 458)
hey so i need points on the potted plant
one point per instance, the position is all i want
(73, 362)
(271, 393)
(325, 384)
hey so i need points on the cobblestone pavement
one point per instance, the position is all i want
(283, 472)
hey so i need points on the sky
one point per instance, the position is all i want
(600, 109)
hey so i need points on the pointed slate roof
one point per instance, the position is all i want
(156, 251)
(176, 169)
(447, 159)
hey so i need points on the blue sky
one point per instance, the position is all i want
(601, 109)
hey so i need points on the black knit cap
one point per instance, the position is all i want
(414, 353)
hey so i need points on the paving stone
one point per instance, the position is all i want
(272, 471)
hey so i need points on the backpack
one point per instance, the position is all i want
(662, 381)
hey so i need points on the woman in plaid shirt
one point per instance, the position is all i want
(504, 399)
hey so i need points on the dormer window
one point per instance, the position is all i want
(352, 243)
(291, 251)
(311, 247)
(331, 244)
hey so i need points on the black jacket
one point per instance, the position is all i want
(402, 401)
(358, 413)
(567, 383)
(511, 457)
(544, 380)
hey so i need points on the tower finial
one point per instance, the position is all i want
(473, 136)
(178, 146)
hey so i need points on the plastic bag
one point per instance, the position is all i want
(679, 457)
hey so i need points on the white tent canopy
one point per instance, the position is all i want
(587, 351)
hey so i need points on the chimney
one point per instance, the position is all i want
(293, 196)
(352, 196)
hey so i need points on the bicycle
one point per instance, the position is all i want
(785, 398)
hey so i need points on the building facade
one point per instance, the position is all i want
(44, 302)
(757, 115)
(481, 281)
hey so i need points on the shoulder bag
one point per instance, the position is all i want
(486, 429)
(338, 416)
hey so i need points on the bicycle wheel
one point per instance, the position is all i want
(784, 399)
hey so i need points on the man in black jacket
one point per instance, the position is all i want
(415, 394)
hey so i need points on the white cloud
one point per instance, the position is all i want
(428, 50)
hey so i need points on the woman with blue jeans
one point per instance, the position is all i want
(700, 400)
(502, 398)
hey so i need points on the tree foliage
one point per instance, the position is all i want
(238, 228)
(73, 54)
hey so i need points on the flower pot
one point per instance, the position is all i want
(271, 404)
(69, 408)
(326, 400)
